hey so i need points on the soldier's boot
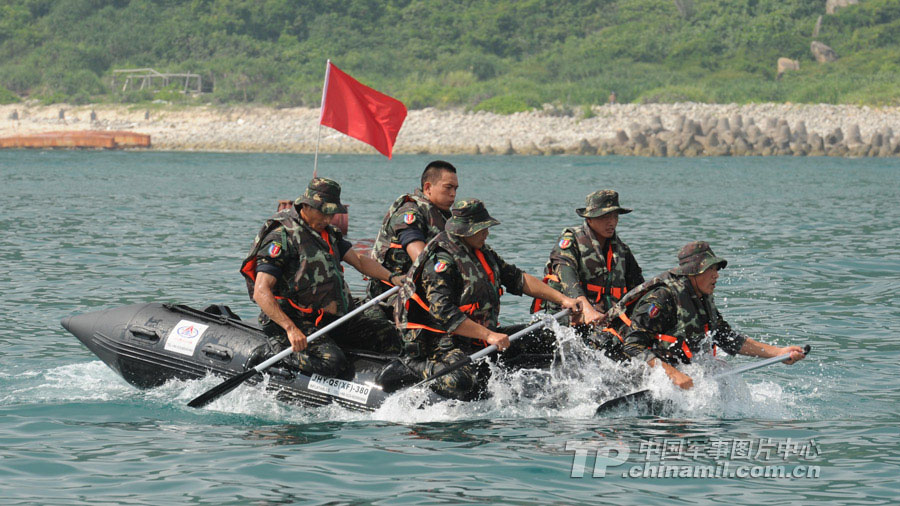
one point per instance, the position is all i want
(399, 373)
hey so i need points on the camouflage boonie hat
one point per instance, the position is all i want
(323, 194)
(468, 218)
(600, 203)
(696, 258)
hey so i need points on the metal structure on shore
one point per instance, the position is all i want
(150, 79)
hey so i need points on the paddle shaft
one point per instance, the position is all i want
(310, 338)
(488, 350)
(612, 403)
(234, 381)
(757, 365)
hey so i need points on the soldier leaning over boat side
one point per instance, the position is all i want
(449, 307)
(413, 220)
(591, 263)
(671, 318)
(294, 274)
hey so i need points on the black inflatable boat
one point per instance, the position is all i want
(150, 344)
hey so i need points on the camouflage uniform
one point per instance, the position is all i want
(670, 319)
(310, 286)
(450, 282)
(580, 265)
(411, 211)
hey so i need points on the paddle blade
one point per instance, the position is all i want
(221, 389)
(618, 401)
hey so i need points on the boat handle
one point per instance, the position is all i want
(147, 332)
(218, 352)
(284, 373)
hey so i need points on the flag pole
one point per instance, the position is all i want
(321, 113)
(316, 158)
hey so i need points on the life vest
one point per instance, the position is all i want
(602, 273)
(685, 339)
(387, 249)
(313, 279)
(479, 300)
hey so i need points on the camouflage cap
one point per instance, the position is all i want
(695, 258)
(323, 194)
(468, 217)
(600, 203)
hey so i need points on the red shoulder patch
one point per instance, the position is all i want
(409, 217)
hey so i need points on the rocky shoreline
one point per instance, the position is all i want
(684, 129)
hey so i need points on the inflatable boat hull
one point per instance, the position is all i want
(150, 344)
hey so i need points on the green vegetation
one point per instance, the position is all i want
(502, 56)
(7, 97)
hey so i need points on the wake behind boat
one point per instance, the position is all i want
(149, 344)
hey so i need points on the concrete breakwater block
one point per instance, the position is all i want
(735, 136)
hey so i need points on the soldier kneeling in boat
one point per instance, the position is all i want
(294, 274)
(450, 305)
(671, 318)
(591, 263)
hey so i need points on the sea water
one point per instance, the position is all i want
(812, 250)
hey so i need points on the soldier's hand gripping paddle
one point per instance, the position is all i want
(487, 351)
(640, 394)
(234, 381)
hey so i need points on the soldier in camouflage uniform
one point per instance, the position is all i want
(449, 307)
(413, 220)
(591, 263)
(675, 318)
(294, 274)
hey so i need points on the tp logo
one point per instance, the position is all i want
(606, 454)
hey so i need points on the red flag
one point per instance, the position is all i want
(353, 108)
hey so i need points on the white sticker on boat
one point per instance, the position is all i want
(339, 388)
(183, 338)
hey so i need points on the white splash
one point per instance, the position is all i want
(582, 378)
(578, 381)
(91, 381)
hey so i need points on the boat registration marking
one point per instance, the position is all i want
(339, 388)
(183, 338)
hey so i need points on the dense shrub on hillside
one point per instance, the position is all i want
(488, 55)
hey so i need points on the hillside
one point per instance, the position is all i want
(501, 56)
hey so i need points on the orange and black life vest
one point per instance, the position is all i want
(602, 274)
(682, 341)
(479, 299)
(313, 276)
(418, 208)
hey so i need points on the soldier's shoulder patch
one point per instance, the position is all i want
(566, 241)
(409, 217)
(442, 262)
(653, 311)
(274, 249)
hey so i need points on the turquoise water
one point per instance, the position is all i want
(812, 250)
